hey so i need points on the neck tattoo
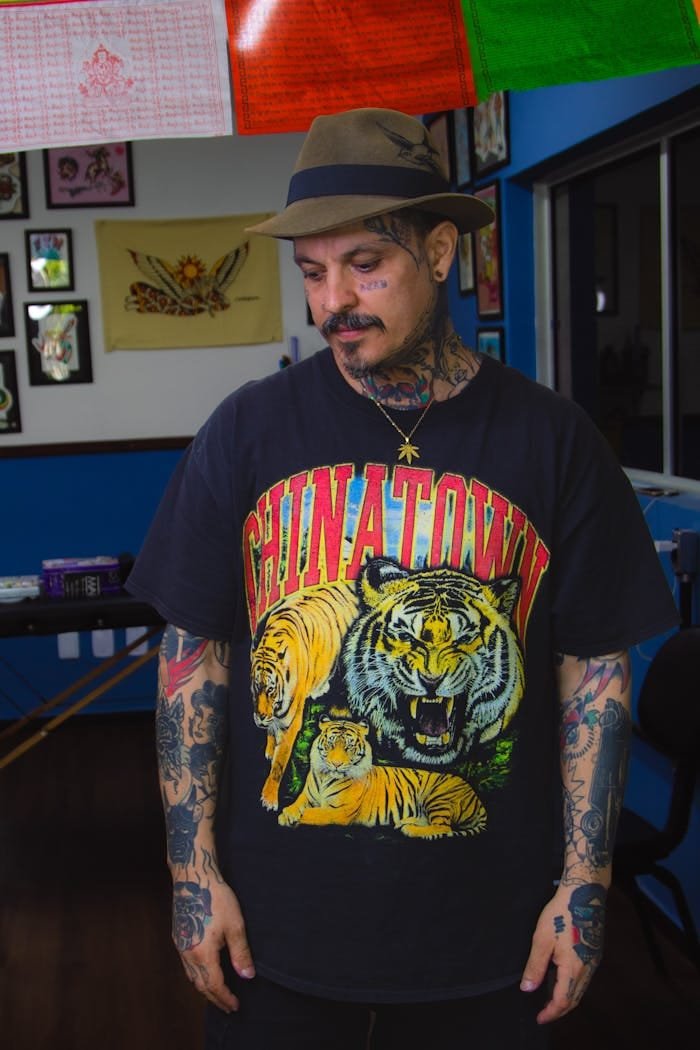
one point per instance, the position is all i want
(406, 450)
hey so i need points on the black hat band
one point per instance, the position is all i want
(373, 180)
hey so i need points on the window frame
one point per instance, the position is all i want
(557, 176)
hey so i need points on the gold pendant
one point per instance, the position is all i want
(408, 452)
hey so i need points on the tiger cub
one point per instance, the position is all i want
(344, 787)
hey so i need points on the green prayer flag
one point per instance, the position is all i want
(521, 44)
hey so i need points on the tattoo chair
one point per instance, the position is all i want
(669, 722)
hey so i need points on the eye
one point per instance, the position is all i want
(367, 267)
(311, 275)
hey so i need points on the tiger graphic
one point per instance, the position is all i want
(294, 654)
(432, 660)
(344, 787)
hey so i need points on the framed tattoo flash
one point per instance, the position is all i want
(462, 147)
(89, 176)
(58, 343)
(490, 134)
(7, 317)
(488, 261)
(10, 420)
(14, 202)
(465, 260)
(49, 260)
(439, 128)
(490, 341)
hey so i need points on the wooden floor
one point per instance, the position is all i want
(86, 961)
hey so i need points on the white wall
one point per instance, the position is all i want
(154, 393)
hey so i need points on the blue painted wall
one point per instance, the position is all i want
(69, 506)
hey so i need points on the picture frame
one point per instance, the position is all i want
(488, 258)
(99, 176)
(490, 135)
(491, 341)
(10, 417)
(439, 126)
(58, 342)
(462, 147)
(465, 263)
(14, 196)
(49, 256)
(7, 315)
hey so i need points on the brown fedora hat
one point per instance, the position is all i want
(365, 162)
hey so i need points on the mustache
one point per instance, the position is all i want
(354, 322)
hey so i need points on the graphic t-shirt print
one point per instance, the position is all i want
(388, 613)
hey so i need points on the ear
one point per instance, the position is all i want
(441, 245)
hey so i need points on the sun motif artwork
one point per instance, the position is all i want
(186, 287)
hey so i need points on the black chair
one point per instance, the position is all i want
(669, 722)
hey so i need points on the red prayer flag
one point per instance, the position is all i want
(292, 61)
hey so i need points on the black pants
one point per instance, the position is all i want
(271, 1016)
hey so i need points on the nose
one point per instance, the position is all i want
(340, 296)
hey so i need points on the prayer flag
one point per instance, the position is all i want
(294, 60)
(521, 44)
(110, 70)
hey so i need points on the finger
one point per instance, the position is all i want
(566, 994)
(239, 952)
(208, 979)
(536, 967)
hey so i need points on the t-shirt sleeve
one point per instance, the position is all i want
(188, 565)
(610, 591)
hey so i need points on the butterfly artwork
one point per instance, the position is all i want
(186, 287)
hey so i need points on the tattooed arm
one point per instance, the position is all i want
(594, 734)
(190, 734)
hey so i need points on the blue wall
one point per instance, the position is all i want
(66, 506)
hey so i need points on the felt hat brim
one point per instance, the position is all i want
(321, 214)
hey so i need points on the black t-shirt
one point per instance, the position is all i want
(386, 810)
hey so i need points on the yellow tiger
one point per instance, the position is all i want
(294, 655)
(433, 661)
(344, 787)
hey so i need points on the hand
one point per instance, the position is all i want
(205, 920)
(569, 934)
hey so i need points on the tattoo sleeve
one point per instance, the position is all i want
(191, 717)
(594, 741)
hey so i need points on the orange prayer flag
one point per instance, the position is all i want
(293, 61)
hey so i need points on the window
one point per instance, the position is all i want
(625, 299)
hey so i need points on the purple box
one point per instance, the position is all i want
(80, 577)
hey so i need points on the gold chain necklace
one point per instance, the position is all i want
(407, 450)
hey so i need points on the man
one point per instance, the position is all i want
(401, 581)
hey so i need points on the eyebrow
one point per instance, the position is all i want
(360, 249)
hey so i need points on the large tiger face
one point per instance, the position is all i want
(341, 748)
(432, 661)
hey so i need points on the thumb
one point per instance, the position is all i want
(239, 952)
(536, 967)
